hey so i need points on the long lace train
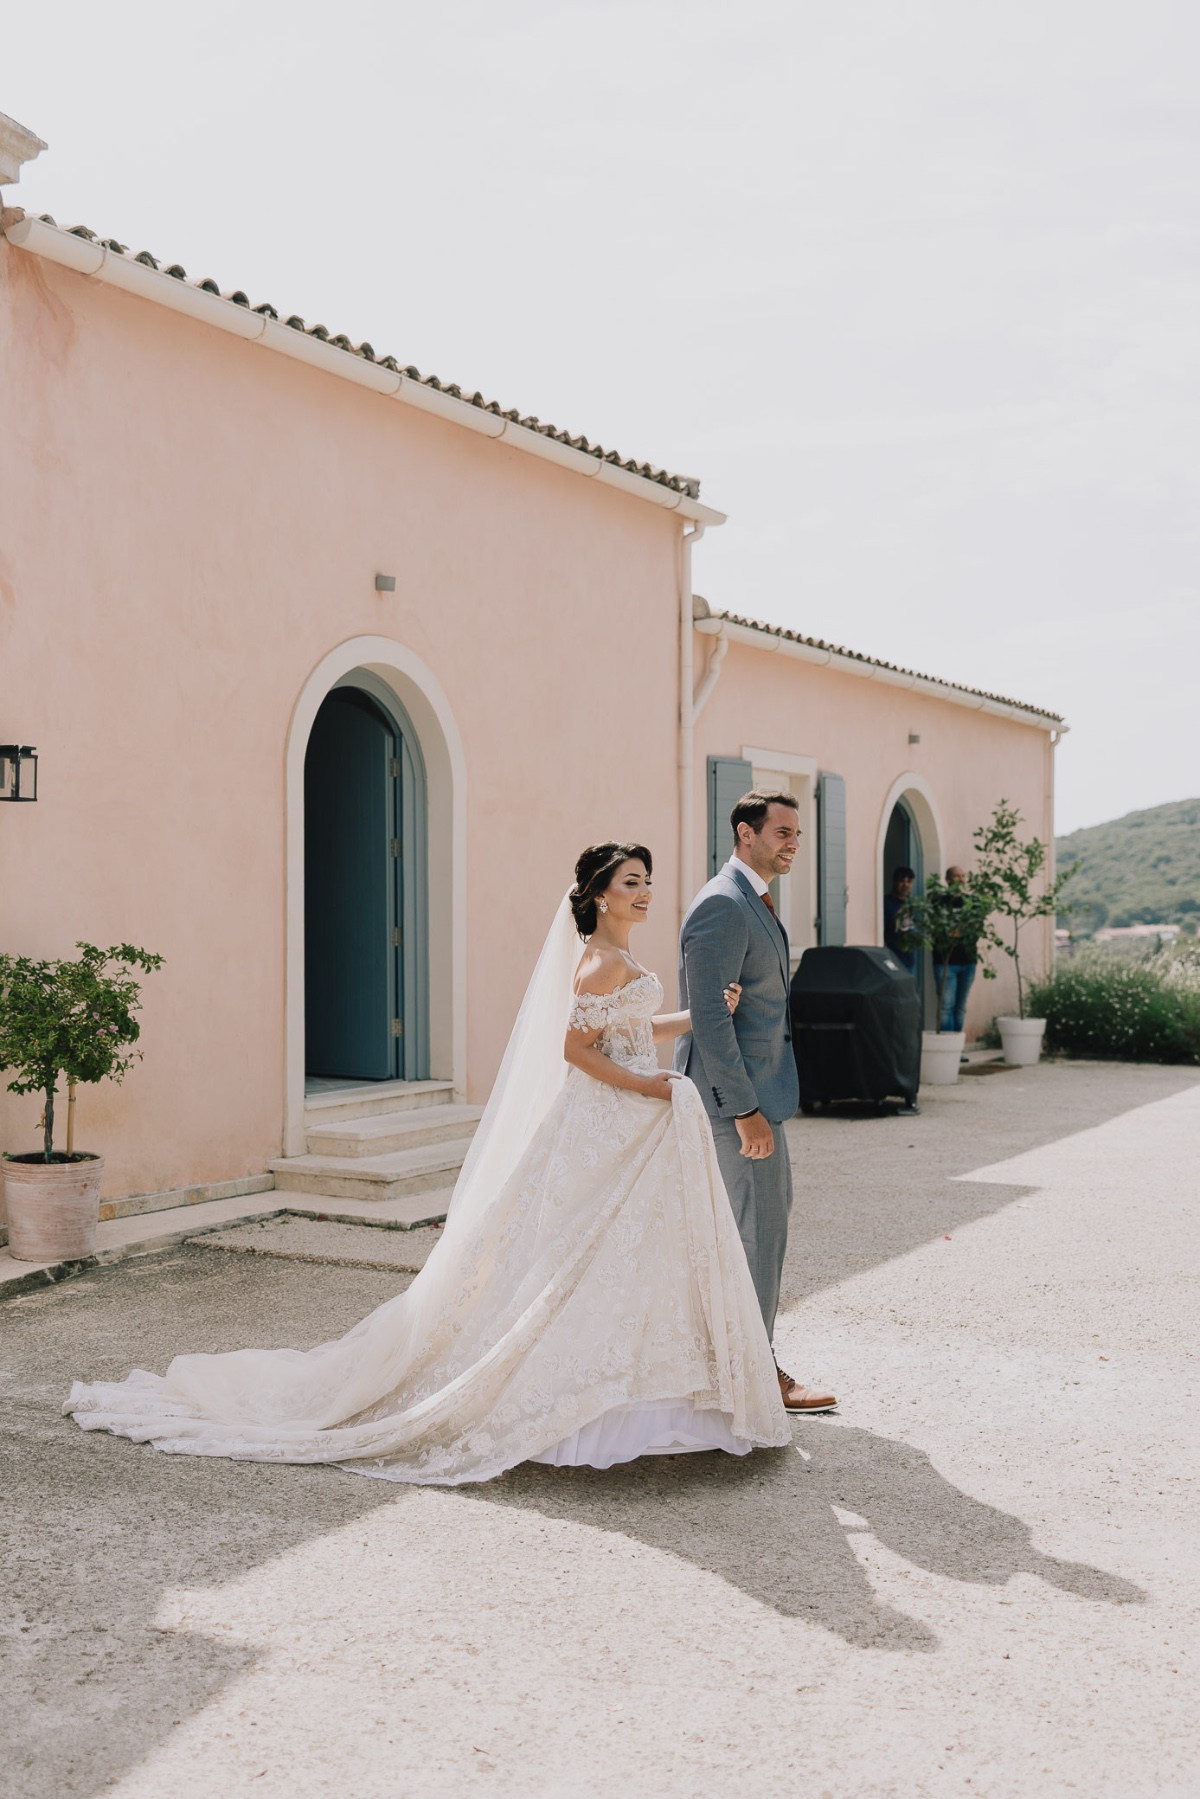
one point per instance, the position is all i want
(599, 1304)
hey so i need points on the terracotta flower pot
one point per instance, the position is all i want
(53, 1208)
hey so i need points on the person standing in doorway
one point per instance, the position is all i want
(953, 978)
(895, 917)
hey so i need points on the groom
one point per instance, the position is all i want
(743, 1065)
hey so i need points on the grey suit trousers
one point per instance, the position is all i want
(761, 1196)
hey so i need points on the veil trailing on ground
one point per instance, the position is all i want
(530, 1078)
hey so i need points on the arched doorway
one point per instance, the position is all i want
(902, 846)
(408, 689)
(910, 836)
(366, 964)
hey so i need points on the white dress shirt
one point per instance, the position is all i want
(752, 875)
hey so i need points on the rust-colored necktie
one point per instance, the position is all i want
(769, 903)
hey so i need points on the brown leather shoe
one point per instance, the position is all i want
(803, 1399)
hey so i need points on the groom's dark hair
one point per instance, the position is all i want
(753, 807)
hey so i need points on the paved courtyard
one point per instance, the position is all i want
(981, 1578)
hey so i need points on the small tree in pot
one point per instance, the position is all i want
(78, 1020)
(1014, 876)
(941, 919)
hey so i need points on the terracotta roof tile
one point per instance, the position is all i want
(683, 484)
(834, 649)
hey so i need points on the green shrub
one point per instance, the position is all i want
(1133, 1011)
(72, 1018)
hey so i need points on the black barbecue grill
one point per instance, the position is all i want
(856, 1027)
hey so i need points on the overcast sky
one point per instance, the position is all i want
(914, 288)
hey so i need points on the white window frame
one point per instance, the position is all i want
(798, 892)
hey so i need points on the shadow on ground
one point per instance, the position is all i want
(767, 1525)
(868, 1189)
(94, 1529)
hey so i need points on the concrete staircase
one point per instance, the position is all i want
(399, 1140)
(385, 1155)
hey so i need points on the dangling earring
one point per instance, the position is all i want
(603, 906)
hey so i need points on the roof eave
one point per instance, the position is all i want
(773, 638)
(87, 257)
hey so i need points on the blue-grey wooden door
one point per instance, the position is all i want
(353, 962)
(729, 777)
(831, 859)
(897, 846)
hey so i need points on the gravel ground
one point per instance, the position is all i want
(981, 1578)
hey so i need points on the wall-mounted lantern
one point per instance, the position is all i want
(18, 771)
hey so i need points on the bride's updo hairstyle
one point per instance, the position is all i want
(594, 872)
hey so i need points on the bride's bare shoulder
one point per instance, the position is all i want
(601, 970)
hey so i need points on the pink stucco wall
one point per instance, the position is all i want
(188, 525)
(860, 729)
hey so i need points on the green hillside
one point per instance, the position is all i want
(1140, 869)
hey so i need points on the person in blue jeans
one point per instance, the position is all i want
(958, 973)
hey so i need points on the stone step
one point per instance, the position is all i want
(403, 1214)
(381, 1132)
(374, 1097)
(402, 1171)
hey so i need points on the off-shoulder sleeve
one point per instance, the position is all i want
(592, 1011)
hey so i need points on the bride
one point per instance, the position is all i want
(589, 1300)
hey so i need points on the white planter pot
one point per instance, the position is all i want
(1022, 1040)
(941, 1052)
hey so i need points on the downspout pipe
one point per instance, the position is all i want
(687, 716)
(712, 673)
(692, 703)
(1053, 739)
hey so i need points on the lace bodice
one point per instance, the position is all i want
(624, 1019)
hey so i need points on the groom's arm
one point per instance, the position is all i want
(715, 940)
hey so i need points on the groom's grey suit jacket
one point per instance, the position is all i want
(745, 1061)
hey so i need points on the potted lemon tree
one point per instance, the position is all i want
(1015, 878)
(73, 1020)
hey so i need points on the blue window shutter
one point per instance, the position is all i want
(728, 779)
(831, 858)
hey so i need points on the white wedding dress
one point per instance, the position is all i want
(593, 1306)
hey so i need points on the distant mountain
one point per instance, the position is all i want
(1140, 869)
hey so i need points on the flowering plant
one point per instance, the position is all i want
(1137, 1009)
(70, 1018)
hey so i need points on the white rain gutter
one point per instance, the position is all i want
(109, 266)
(712, 673)
(872, 671)
(687, 716)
